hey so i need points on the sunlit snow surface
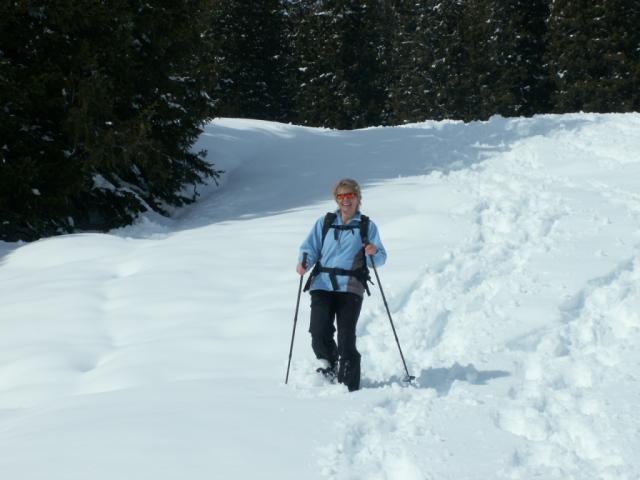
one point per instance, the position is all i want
(159, 351)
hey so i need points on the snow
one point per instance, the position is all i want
(159, 351)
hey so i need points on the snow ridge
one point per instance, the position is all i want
(517, 211)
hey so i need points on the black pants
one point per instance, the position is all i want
(345, 309)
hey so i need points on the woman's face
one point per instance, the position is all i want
(347, 201)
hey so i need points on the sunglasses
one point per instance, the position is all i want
(345, 196)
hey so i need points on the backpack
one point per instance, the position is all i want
(362, 273)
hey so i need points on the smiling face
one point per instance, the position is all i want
(348, 202)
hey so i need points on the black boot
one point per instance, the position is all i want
(349, 373)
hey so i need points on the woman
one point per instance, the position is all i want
(337, 247)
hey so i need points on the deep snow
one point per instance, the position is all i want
(159, 351)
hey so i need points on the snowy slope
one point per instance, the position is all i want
(159, 351)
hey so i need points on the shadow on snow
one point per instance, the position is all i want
(273, 168)
(442, 379)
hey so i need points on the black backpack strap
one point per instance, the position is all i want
(329, 218)
(362, 274)
(364, 229)
(365, 276)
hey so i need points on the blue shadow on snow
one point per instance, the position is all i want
(442, 379)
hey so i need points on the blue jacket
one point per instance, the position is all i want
(341, 249)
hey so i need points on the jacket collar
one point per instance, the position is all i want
(356, 217)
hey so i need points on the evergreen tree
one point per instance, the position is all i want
(469, 60)
(444, 66)
(454, 86)
(100, 105)
(514, 80)
(341, 52)
(314, 95)
(410, 82)
(251, 59)
(594, 56)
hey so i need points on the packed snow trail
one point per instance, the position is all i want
(537, 252)
(513, 280)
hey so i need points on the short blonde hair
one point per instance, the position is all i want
(349, 183)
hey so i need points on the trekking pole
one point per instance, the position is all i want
(408, 378)
(295, 317)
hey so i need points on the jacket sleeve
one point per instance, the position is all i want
(312, 244)
(374, 237)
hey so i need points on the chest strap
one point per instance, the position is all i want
(361, 274)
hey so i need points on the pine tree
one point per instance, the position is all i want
(594, 56)
(101, 104)
(340, 45)
(516, 80)
(410, 82)
(454, 86)
(314, 78)
(251, 59)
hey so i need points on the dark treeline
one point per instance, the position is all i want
(349, 64)
(101, 101)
